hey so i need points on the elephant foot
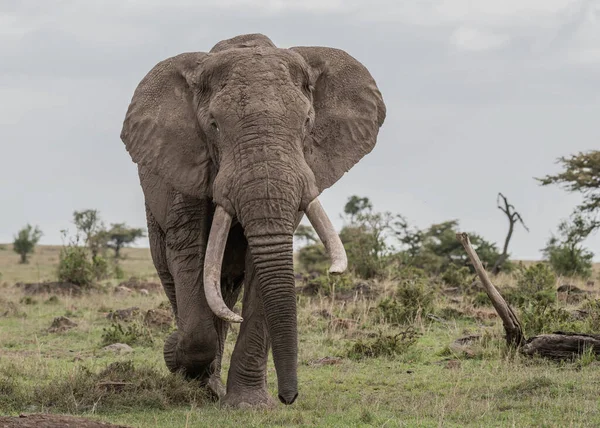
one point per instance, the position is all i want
(246, 399)
(169, 351)
(216, 387)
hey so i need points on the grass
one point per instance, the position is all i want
(425, 382)
(43, 263)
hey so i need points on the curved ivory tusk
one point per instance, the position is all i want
(320, 221)
(213, 260)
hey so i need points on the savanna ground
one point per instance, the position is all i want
(426, 381)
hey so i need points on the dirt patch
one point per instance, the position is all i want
(139, 285)
(326, 361)
(10, 309)
(63, 288)
(128, 314)
(158, 318)
(52, 421)
(119, 348)
(61, 324)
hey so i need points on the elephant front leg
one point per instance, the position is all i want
(247, 377)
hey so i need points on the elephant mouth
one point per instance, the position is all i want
(216, 248)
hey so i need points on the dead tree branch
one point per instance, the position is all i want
(513, 218)
(558, 345)
(512, 326)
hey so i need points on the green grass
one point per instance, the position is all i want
(427, 384)
(43, 264)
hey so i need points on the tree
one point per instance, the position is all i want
(581, 174)
(357, 205)
(565, 253)
(513, 218)
(306, 233)
(368, 236)
(120, 235)
(440, 249)
(89, 224)
(25, 241)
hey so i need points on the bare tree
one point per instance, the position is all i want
(513, 218)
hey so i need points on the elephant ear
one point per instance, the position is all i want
(161, 131)
(349, 110)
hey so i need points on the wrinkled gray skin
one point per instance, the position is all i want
(260, 131)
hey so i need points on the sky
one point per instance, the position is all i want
(481, 98)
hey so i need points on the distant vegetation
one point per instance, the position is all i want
(25, 241)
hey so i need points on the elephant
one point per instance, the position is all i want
(233, 147)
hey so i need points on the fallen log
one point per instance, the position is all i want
(558, 345)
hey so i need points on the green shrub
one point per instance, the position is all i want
(537, 319)
(569, 260)
(456, 276)
(383, 345)
(119, 272)
(482, 299)
(313, 259)
(536, 285)
(74, 266)
(591, 318)
(132, 334)
(413, 296)
(25, 242)
(327, 285)
(100, 268)
(28, 300)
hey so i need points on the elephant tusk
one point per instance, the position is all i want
(320, 221)
(213, 260)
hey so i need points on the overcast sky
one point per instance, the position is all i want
(481, 97)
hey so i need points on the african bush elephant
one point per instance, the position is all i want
(233, 147)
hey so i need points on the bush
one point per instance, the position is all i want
(25, 242)
(383, 345)
(537, 319)
(482, 299)
(413, 296)
(100, 268)
(568, 260)
(133, 334)
(456, 276)
(328, 284)
(120, 387)
(313, 259)
(119, 272)
(536, 285)
(361, 246)
(75, 267)
(565, 253)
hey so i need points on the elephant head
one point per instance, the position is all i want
(262, 131)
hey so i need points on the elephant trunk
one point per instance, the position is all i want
(267, 205)
(266, 198)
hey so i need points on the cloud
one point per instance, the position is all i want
(503, 87)
(471, 39)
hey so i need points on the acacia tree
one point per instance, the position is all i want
(306, 233)
(581, 174)
(25, 241)
(513, 217)
(88, 222)
(565, 253)
(120, 235)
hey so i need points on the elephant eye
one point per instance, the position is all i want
(213, 125)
